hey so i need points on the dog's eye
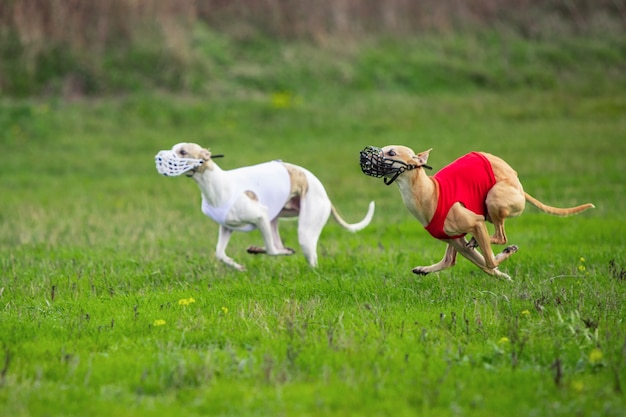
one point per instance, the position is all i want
(183, 152)
(391, 153)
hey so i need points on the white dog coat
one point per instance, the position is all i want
(269, 181)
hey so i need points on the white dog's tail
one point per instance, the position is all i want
(354, 227)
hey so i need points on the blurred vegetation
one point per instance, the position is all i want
(75, 48)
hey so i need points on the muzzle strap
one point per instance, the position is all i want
(388, 181)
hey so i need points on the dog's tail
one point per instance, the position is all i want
(555, 210)
(354, 227)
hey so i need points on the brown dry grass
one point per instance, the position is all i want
(89, 24)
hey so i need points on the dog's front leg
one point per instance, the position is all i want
(220, 250)
(449, 259)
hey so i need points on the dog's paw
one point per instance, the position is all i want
(420, 270)
(502, 275)
(511, 249)
(228, 261)
(283, 252)
(255, 250)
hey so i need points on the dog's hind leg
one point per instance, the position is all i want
(276, 234)
(314, 213)
(272, 246)
(504, 200)
(462, 220)
(449, 259)
(278, 243)
(479, 260)
(220, 250)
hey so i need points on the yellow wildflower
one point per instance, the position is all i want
(503, 340)
(281, 100)
(595, 356)
(525, 313)
(225, 310)
(578, 386)
(159, 322)
(186, 301)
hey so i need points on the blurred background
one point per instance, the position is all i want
(76, 48)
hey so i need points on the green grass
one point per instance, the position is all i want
(213, 63)
(96, 250)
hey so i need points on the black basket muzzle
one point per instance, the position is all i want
(374, 164)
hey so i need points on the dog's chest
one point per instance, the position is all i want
(414, 205)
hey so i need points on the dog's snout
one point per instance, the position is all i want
(370, 161)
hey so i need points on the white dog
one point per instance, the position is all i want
(255, 197)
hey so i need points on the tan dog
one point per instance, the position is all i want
(443, 203)
(255, 197)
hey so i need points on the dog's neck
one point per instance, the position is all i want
(419, 193)
(213, 183)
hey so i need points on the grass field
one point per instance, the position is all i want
(112, 302)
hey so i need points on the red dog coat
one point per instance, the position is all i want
(466, 180)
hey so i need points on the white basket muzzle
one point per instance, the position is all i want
(170, 165)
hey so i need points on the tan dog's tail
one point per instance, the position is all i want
(555, 210)
(354, 227)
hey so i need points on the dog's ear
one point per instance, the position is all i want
(205, 154)
(422, 157)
